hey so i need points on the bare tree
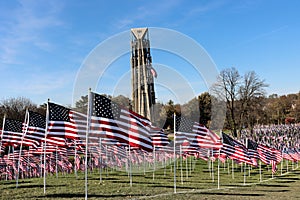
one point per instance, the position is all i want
(15, 108)
(227, 88)
(251, 89)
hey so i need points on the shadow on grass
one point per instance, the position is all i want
(285, 181)
(14, 182)
(172, 186)
(272, 185)
(67, 195)
(274, 191)
(289, 178)
(104, 179)
(35, 186)
(231, 194)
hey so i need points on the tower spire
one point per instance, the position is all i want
(143, 94)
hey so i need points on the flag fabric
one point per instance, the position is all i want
(13, 134)
(195, 134)
(265, 154)
(65, 123)
(112, 121)
(184, 132)
(159, 138)
(269, 156)
(35, 127)
(252, 151)
(234, 150)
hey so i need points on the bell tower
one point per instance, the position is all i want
(142, 73)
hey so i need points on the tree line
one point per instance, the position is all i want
(240, 98)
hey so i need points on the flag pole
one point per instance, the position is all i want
(21, 146)
(56, 159)
(180, 153)
(219, 171)
(154, 157)
(186, 169)
(46, 132)
(89, 113)
(100, 164)
(174, 152)
(75, 157)
(3, 124)
(129, 165)
(245, 173)
(260, 178)
(232, 168)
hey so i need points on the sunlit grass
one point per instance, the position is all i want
(197, 179)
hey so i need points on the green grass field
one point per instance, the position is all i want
(196, 183)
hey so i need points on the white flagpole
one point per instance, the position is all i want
(56, 167)
(75, 157)
(154, 157)
(212, 170)
(100, 156)
(180, 153)
(174, 152)
(208, 162)
(130, 170)
(281, 163)
(45, 143)
(232, 169)
(245, 173)
(144, 162)
(260, 177)
(89, 114)
(219, 171)
(186, 169)
(3, 124)
(26, 122)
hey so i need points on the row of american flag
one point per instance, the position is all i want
(108, 130)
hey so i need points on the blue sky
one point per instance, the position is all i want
(45, 43)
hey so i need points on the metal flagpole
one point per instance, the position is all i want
(28, 166)
(3, 124)
(56, 167)
(144, 163)
(232, 169)
(100, 164)
(212, 171)
(281, 164)
(208, 162)
(130, 172)
(219, 171)
(75, 157)
(26, 121)
(180, 153)
(245, 173)
(89, 114)
(154, 157)
(174, 152)
(186, 169)
(260, 177)
(45, 143)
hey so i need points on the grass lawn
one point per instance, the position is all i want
(196, 182)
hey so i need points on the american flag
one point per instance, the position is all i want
(269, 156)
(196, 134)
(184, 132)
(35, 127)
(234, 150)
(252, 151)
(112, 121)
(13, 133)
(65, 123)
(159, 138)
